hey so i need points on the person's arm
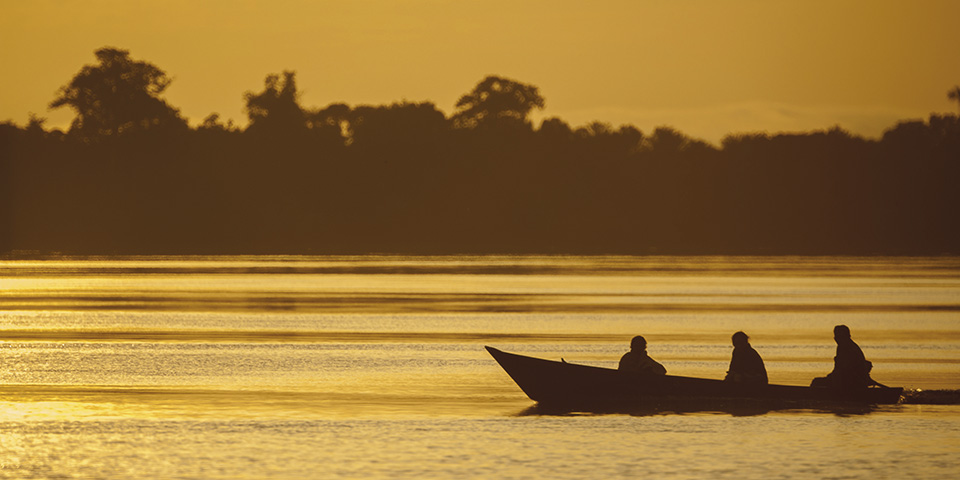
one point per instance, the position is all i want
(736, 362)
(657, 368)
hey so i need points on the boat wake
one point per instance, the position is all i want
(931, 397)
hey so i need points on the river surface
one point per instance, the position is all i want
(374, 367)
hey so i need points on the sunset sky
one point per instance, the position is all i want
(707, 68)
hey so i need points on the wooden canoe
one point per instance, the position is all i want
(570, 385)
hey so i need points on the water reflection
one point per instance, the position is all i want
(408, 323)
(384, 284)
(239, 367)
(874, 267)
(51, 298)
(739, 409)
(33, 403)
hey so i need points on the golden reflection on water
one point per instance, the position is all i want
(373, 366)
(366, 395)
(554, 285)
(595, 292)
(55, 314)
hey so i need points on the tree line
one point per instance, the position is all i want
(130, 176)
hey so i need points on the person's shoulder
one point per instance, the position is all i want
(850, 344)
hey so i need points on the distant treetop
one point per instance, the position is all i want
(496, 99)
(117, 95)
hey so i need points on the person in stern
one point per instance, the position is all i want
(746, 366)
(851, 370)
(637, 360)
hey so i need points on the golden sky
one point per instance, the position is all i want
(705, 67)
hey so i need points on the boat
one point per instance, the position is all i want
(573, 386)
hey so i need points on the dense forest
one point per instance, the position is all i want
(130, 176)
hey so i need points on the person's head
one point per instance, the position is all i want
(841, 332)
(740, 339)
(638, 343)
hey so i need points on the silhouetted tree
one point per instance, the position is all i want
(555, 128)
(604, 140)
(909, 133)
(919, 139)
(276, 109)
(214, 123)
(955, 95)
(407, 124)
(35, 126)
(947, 128)
(116, 96)
(331, 123)
(666, 140)
(497, 98)
(595, 130)
(399, 178)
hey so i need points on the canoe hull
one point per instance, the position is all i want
(571, 385)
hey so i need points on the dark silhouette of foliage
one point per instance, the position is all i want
(497, 99)
(116, 96)
(276, 110)
(555, 129)
(667, 142)
(954, 94)
(213, 123)
(401, 124)
(405, 178)
(331, 123)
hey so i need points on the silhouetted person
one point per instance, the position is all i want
(637, 360)
(746, 366)
(850, 368)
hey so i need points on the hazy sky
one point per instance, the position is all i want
(705, 67)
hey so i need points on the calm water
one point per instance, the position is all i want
(373, 367)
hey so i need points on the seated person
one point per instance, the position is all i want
(746, 366)
(637, 360)
(850, 368)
